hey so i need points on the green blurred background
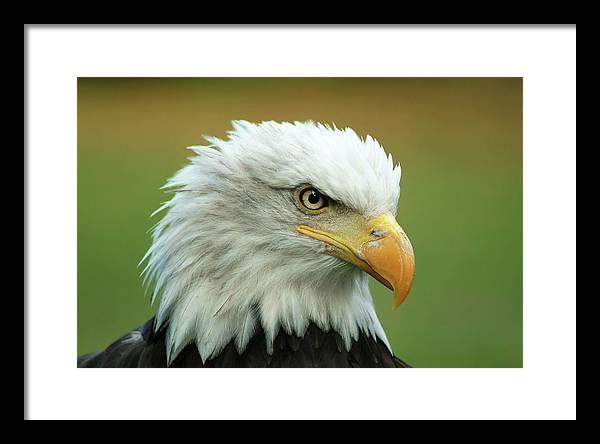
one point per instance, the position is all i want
(459, 141)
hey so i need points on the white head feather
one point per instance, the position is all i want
(226, 257)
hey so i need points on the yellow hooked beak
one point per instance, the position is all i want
(378, 246)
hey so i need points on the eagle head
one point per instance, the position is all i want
(276, 227)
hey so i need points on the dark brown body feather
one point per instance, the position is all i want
(145, 348)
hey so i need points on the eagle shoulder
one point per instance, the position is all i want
(145, 347)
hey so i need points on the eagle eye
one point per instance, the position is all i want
(311, 199)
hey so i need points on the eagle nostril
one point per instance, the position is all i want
(377, 233)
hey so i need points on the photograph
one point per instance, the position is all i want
(300, 222)
(259, 222)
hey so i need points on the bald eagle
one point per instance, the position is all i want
(262, 256)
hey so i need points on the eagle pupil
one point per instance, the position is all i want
(313, 197)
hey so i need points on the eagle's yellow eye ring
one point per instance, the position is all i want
(311, 200)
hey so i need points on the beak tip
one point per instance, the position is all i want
(398, 302)
(400, 295)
